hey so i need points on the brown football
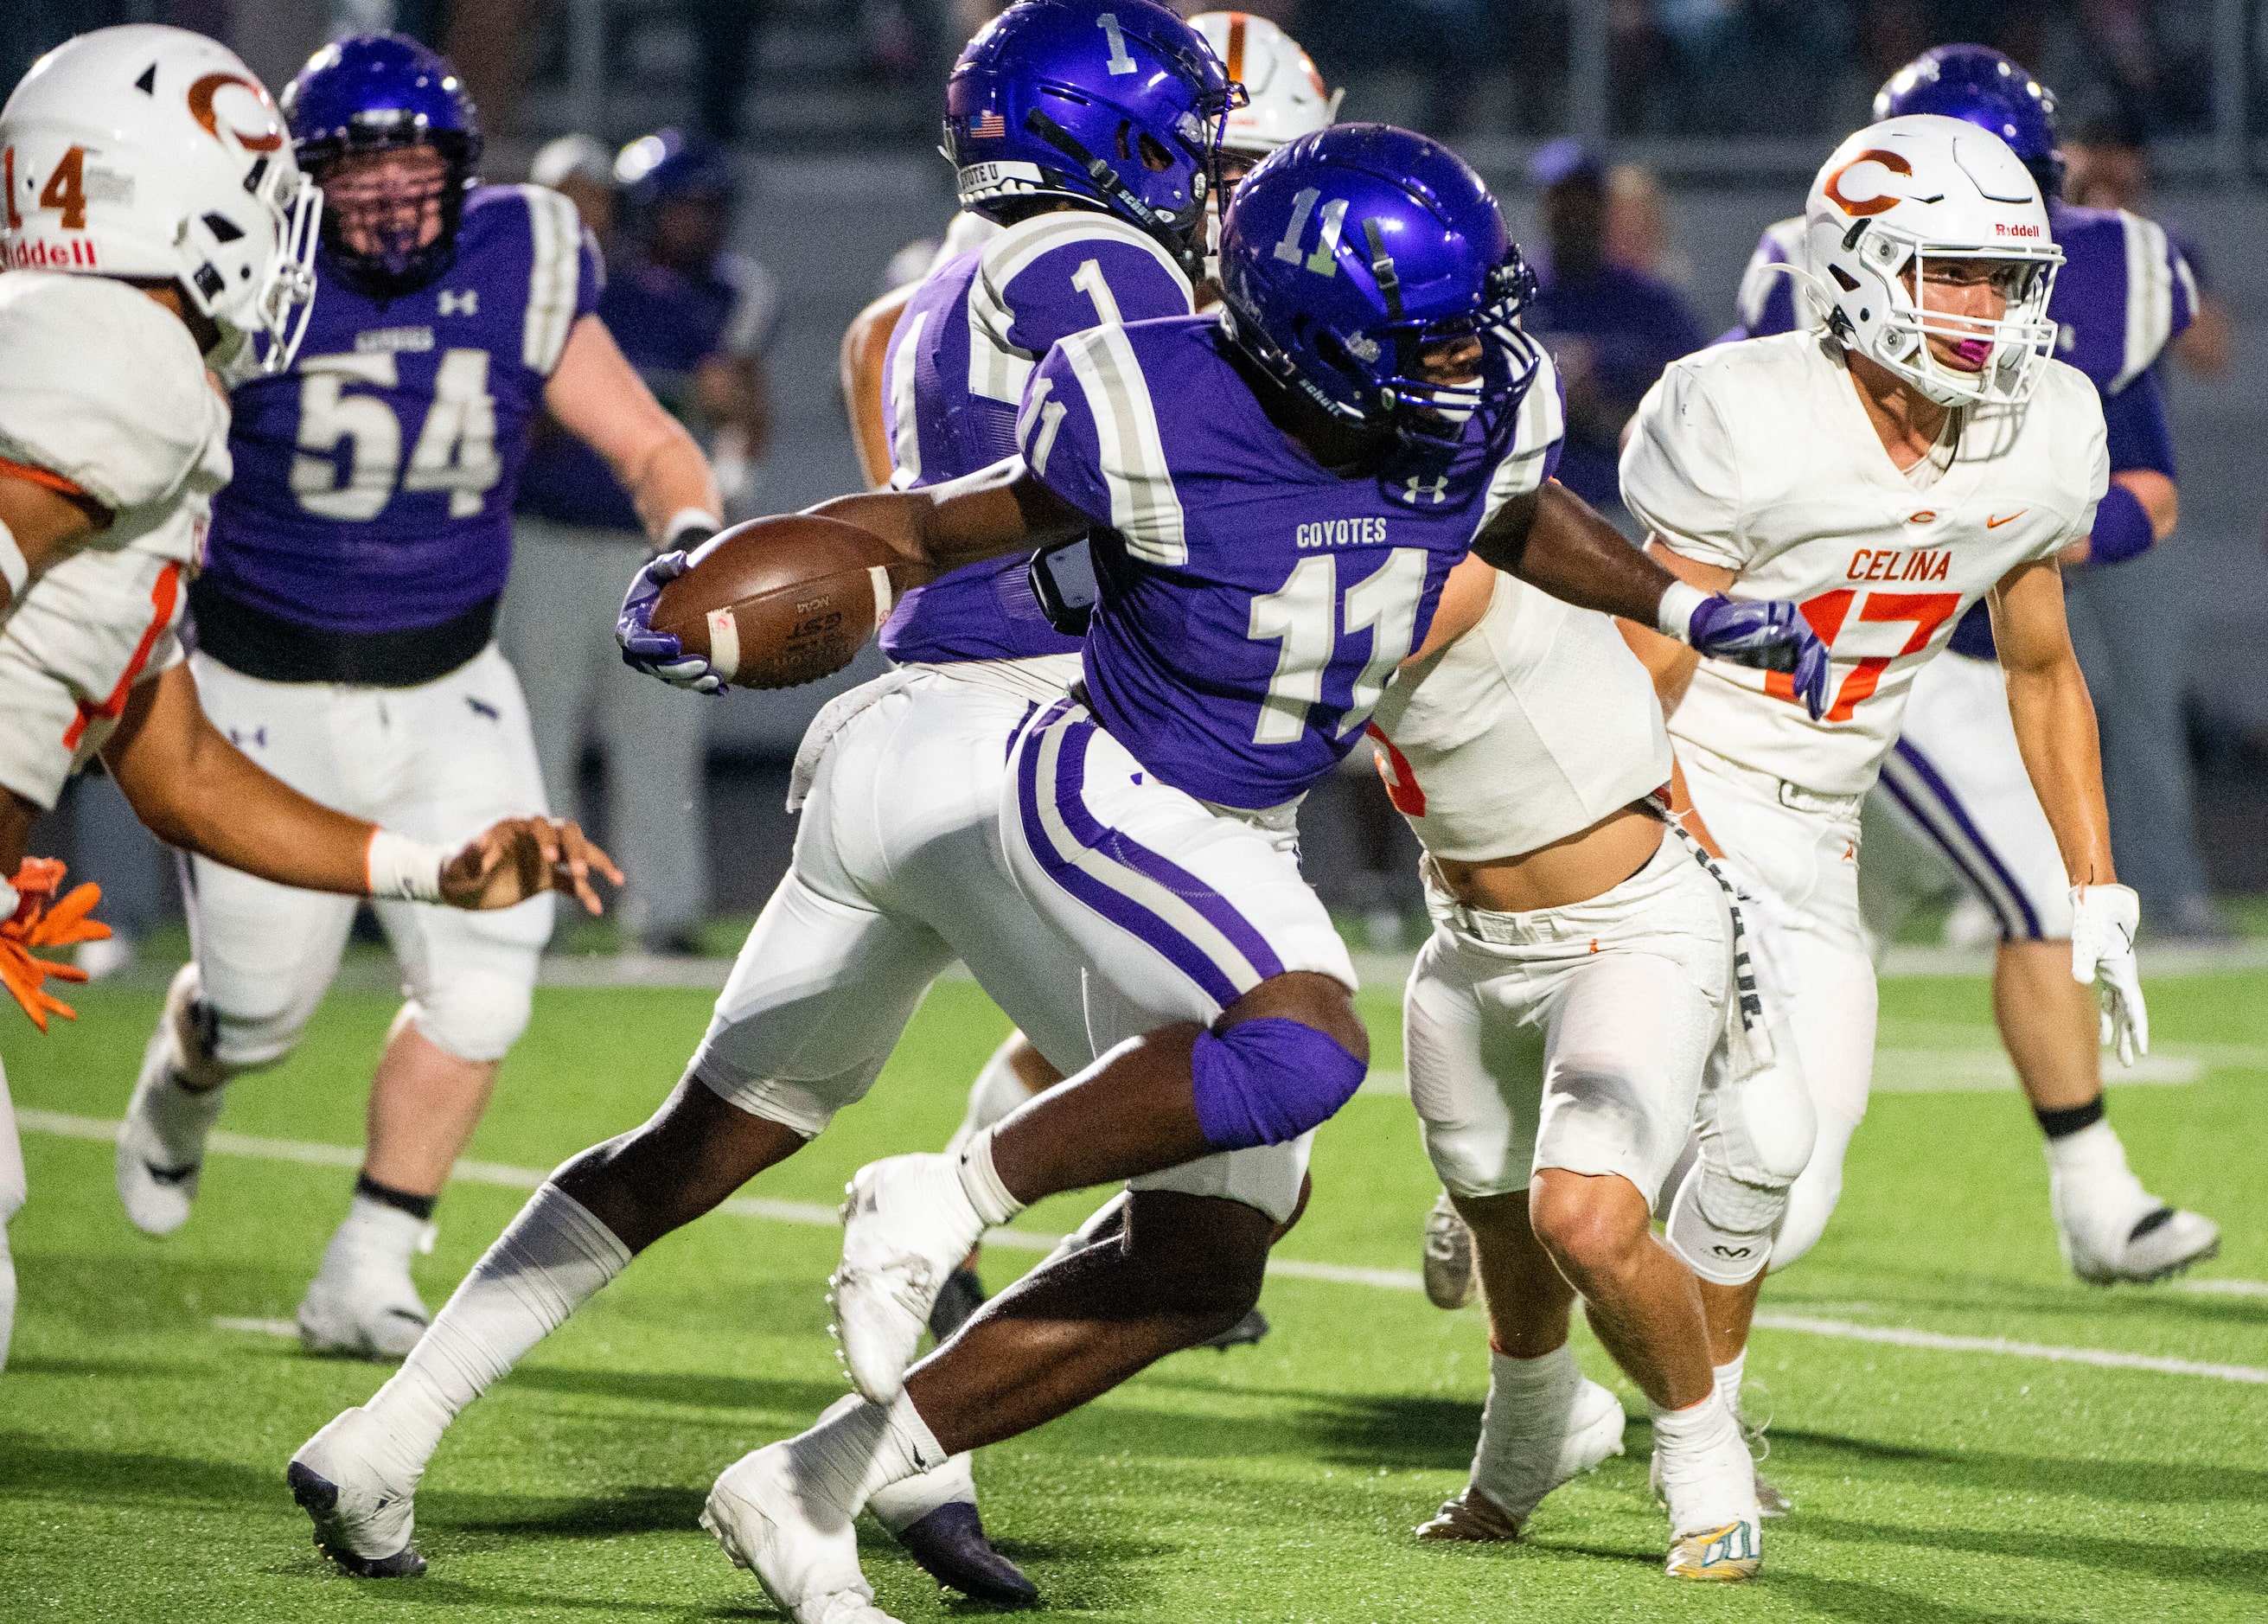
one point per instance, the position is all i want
(778, 602)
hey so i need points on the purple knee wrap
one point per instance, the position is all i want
(1268, 1080)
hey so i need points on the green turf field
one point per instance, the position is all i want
(142, 1445)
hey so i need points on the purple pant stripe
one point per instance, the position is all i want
(1937, 797)
(1137, 920)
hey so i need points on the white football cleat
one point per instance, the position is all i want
(1716, 1530)
(362, 1304)
(1595, 1432)
(799, 1545)
(1451, 1279)
(359, 1493)
(906, 1226)
(2162, 1242)
(1721, 1556)
(161, 1143)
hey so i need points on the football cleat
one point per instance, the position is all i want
(362, 1304)
(906, 1226)
(1452, 1282)
(1723, 1556)
(799, 1545)
(957, 1303)
(950, 1544)
(360, 1496)
(1245, 1333)
(1595, 1432)
(2162, 1244)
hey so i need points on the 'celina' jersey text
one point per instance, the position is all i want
(374, 479)
(1759, 457)
(1254, 603)
(963, 350)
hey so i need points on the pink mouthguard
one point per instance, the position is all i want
(1974, 352)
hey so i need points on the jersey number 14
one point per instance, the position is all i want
(455, 451)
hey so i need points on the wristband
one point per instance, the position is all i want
(13, 568)
(2122, 528)
(401, 869)
(1674, 616)
(688, 518)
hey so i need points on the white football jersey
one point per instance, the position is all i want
(104, 391)
(1759, 457)
(1529, 728)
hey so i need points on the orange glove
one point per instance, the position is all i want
(42, 921)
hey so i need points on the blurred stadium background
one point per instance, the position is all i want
(1714, 114)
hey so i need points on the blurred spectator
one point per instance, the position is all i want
(1638, 234)
(1611, 330)
(2107, 167)
(693, 319)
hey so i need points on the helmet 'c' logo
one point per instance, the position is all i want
(1881, 202)
(200, 108)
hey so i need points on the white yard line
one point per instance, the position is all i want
(811, 1213)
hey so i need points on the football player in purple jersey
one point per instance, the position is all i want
(1955, 778)
(1095, 180)
(344, 616)
(1275, 496)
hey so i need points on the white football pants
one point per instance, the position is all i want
(1795, 852)
(437, 763)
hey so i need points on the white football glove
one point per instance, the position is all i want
(2103, 921)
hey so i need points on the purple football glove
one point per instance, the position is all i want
(1769, 636)
(658, 653)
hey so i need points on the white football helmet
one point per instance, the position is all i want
(1288, 97)
(151, 153)
(1923, 188)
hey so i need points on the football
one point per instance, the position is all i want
(779, 602)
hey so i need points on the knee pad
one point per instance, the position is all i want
(1811, 1201)
(1731, 1198)
(476, 1016)
(1265, 1082)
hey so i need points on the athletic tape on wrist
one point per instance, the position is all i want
(2122, 528)
(14, 569)
(401, 869)
(1674, 616)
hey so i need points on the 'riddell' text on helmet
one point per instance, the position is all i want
(1907, 196)
(1114, 104)
(153, 154)
(1351, 253)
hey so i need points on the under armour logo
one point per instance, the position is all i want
(258, 736)
(481, 707)
(1414, 488)
(465, 304)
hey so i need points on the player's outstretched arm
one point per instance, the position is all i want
(195, 790)
(994, 511)
(1551, 539)
(598, 397)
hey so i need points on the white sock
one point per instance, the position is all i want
(7, 1297)
(1728, 1380)
(996, 1092)
(857, 1448)
(1706, 1469)
(2093, 1152)
(899, 1505)
(372, 1227)
(1523, 1425)
(981, 1182)
(551, 1260)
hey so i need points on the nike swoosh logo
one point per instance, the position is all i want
(1994, 524)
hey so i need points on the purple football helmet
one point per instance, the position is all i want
(1978, 85)
(1349, 252)
(1117, 104)
(378, 92)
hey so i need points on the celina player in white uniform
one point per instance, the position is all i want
(160, 159)
(1921, 452)
(1580, 977)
